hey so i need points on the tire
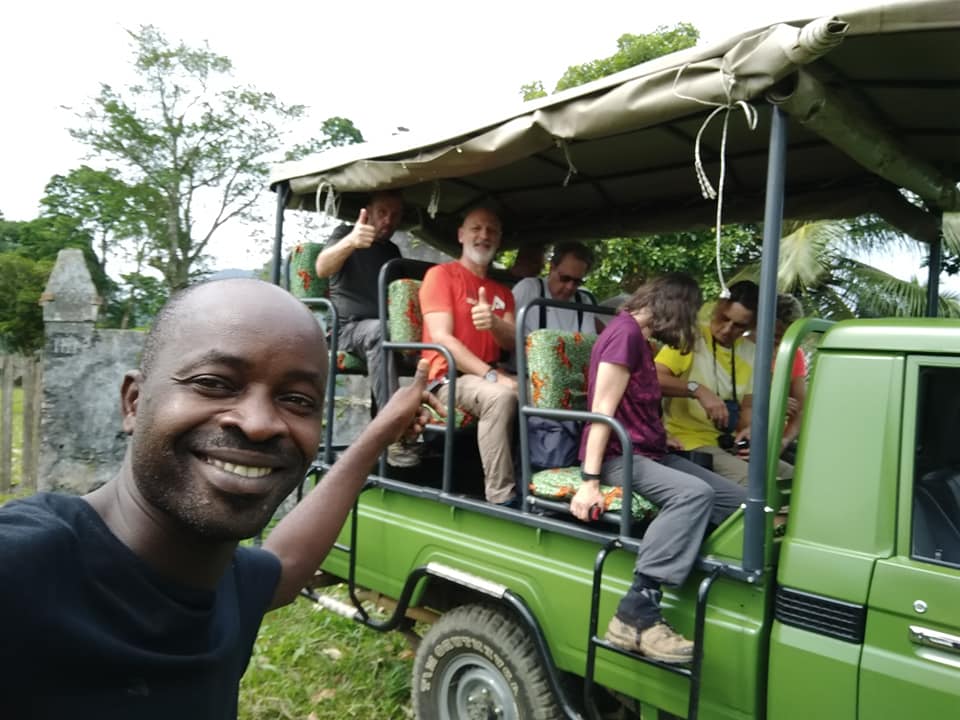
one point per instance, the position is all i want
(477, 662)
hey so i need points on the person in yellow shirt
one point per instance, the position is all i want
(708, 392)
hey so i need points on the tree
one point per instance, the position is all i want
(21, 318)
(820, 264)
(631, 50)
(334, 132)
(622, 264)
(105, 207)
(200, 144)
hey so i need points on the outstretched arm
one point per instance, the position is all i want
(612, 382)
(303, 538)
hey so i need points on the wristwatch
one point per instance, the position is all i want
(692, 387)
(491, 375)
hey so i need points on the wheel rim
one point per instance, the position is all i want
(472, 688)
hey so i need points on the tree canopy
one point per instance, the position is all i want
(631, 50)
(190, 152)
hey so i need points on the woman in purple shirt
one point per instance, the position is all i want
(623, 383)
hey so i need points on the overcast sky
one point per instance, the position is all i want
(412, 63)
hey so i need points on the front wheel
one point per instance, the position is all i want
(478, 663)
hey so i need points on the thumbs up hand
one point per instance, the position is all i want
(482, 312)
(362, 235)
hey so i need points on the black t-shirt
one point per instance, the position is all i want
(90, 631)
(353, 288)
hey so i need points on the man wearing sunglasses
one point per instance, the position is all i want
(569, 265)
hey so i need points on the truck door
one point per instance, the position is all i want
(911, 655)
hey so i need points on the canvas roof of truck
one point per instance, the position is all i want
(872, 96)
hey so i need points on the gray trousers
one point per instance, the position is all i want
(689, 497)
(362, 338)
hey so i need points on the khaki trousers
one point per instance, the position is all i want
(735, 468)
(495, 406)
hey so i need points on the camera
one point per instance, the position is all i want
(725, 439)
(726, 442)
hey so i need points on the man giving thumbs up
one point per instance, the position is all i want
(352, 260)
(473, 317)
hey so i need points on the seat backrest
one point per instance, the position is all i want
(398, 290)
(404, 319)
(937, 516)
(302, 272)
(558, 362)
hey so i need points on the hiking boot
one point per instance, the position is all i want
(403, 455)
(658, 642)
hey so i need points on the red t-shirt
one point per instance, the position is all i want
(453, 289)
(799, 365)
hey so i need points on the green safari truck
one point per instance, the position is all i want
(851, 609)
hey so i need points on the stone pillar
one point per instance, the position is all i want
(82, 442)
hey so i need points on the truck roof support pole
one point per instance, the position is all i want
(283, 192)
(934, 265)
(756, 505)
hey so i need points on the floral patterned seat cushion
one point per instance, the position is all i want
(405, 324)
(558, 362)
(563, 483)
(404, 319)
(304, 283)
(463, 419)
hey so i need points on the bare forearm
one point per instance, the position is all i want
(504, 332)
(304, 537)
(672, 385)
(331, 259)
(596, 445)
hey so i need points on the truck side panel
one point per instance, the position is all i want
(552, 573)
(842, 519)
(911, 656)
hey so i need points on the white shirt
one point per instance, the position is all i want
(557, 318)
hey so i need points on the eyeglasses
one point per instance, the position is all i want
(578, 281)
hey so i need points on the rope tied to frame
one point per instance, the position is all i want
(331, 206)
(571, 168)
(433, 206)
(706, 187)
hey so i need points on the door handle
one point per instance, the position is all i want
(935, 639)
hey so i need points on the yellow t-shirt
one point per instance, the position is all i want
(709, 365)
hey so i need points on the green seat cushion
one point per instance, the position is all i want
(558, 362)
(404, 319)
(347, 363)
(463, 419)
(304, 282)
(563, 483)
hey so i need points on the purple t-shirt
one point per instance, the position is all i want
(622, 343)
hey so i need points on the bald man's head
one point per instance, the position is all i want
(204, 296)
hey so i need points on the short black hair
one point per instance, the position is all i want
(159, 332)
(746, 293)
(580, 251)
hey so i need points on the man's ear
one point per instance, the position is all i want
(129, 398)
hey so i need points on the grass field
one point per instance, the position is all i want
(310, 664)
(17, 432)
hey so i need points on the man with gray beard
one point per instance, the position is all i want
(473, 317)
